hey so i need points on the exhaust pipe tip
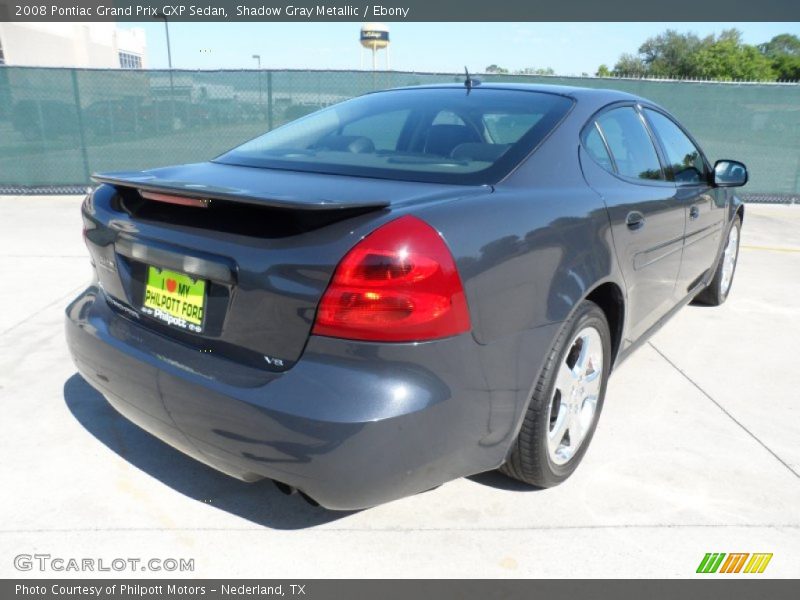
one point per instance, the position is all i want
(288, 490)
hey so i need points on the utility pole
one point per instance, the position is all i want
(258, 58)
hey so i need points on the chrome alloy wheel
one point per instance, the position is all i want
(729, 260)
(573, 407)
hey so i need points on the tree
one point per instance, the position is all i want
(629, 65)
(603, 71)
(785, 43)
(783, 51)
(670, 53)
(786, 67)
(535, 71)
(495, 69)
(725, 56)
(728, 58)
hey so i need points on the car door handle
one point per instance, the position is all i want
(694, 212)
(634, 220)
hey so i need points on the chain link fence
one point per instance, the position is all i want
(57, 126)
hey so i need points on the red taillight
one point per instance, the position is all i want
(398, 284)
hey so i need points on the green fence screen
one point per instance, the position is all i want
(57, 126)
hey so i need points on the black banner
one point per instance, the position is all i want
(400, 10)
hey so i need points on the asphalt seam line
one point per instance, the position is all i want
(769, 248)
(722, 408)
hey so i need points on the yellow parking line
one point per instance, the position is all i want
(771, 248)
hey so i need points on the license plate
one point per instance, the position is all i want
(175, 298)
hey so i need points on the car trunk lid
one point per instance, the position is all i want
(264, 242)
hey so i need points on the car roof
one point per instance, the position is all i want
(598, 96)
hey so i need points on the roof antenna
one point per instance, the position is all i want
(469, 82)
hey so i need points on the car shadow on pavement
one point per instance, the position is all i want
(259, 502)
(499, 481)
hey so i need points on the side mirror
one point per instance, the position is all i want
(729, 173)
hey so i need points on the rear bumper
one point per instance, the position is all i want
(351, 424)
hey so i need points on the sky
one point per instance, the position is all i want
(568, 48)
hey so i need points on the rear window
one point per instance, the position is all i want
(441, 135)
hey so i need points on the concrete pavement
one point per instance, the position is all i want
(697, 451)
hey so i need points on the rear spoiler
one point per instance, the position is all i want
(148, 182)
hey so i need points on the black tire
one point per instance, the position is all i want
(530, 459)
(717, 291)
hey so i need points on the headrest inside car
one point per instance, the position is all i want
(441, 139)
(346, 143)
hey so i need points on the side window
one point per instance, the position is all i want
(507, 128)
(383, 129)
(597, 149)
(447, 117)
(686, 164)
(630, 144)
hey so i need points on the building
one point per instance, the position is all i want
(95, 45)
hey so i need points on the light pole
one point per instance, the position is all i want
(161, 15)
(258, 58)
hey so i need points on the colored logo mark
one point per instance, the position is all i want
(735, 562)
